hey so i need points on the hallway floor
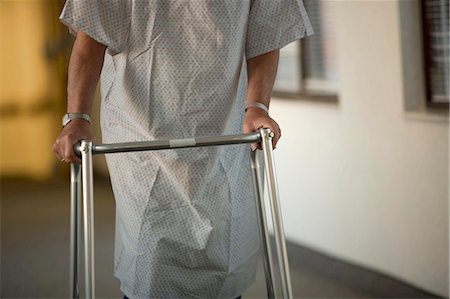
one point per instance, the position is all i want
(35, 246)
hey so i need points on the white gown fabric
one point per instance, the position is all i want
(186, 223)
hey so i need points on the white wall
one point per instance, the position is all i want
(363, 180)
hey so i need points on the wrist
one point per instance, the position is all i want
(255, 111)
(79, 121)
(256, 105)
(75, 116)
(77, 126)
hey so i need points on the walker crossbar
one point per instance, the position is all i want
(175, 143)
(82, 186)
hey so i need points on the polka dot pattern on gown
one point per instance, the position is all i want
(186, 222)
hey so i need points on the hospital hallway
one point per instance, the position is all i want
(35, 250)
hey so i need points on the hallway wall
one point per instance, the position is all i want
(32, 87)
(364, 180)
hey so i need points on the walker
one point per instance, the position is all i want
(82, 191)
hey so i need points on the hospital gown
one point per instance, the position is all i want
(186, 223)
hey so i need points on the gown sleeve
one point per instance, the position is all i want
(106, 21)
(272, 24)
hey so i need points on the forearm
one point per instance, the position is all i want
(262, 71)
(85, 66)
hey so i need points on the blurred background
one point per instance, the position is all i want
(363, 165)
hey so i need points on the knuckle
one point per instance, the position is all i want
(247, 128)
(69, 136)
(68, 152)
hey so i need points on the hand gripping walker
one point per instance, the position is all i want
(82, 186)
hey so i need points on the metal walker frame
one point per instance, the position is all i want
(82, 187)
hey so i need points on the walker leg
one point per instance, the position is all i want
(88, 217)
(75, 208)
(272, 186)
(263, 230)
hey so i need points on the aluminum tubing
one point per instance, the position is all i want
(263, 228)
(75, 204)
(88, 217)
(175, 143)
(274, 199)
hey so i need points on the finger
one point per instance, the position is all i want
(259, 145)
(277, 136)
(249, 129)
(77, 157)
(72, 159)
(69, 154)
(275, 129)
(275, 139)
(59, 156)
(57, 150)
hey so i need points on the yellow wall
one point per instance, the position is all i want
(30, 88)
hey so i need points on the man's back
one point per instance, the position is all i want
(185, 219)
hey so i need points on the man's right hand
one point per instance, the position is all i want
(86, 62)
(72, 133)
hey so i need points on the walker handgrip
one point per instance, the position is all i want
(188, 142)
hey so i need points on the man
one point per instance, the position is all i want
(185, 219)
